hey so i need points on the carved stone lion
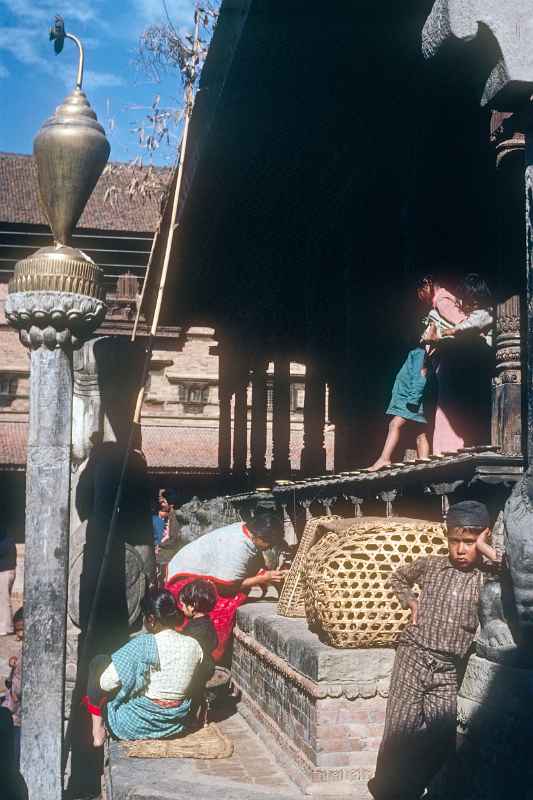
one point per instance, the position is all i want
(506, 607)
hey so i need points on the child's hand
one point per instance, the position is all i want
(482, 539)
(413, 605)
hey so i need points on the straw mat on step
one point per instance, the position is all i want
(204, 743)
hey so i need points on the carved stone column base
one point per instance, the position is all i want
(493, 760)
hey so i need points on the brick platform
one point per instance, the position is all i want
(323, 709)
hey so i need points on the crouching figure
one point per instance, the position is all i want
(144, 690)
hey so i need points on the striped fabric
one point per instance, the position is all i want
(132, 715)
(447, 606)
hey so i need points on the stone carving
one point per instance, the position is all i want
(506, 609)
(107, 378)
(53, 319)
(510, 82)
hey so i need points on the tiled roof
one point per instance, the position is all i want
(170, 447)
(13, 443)
(166, 447)
(19, 202)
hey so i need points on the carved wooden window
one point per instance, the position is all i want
(8, 386)
(198, 394)
(193, 393)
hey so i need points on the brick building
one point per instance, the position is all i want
(181, 411)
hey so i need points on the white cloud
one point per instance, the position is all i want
(92, 79)
(23, 44)
(45, 10)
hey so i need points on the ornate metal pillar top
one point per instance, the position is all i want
(56, 296)
(510, 83)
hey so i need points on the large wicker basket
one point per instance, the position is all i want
(346, 576)
(291, 600)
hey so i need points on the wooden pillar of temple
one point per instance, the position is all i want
(508, 402)
(224, 406)
(258, 422)
(281, 418)
(314, 453)
(240, 419)
(528, 129)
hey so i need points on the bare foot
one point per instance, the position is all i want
(379, 464)
(99, 731)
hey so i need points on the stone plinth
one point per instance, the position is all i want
(322, 708)
(495, 730)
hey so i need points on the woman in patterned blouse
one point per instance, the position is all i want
(144, 690)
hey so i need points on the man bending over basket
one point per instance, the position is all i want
(421, 715)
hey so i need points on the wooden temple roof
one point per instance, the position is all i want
(438, 474)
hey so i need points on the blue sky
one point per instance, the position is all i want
(33, 80)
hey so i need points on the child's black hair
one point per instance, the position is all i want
(199, 594)
(18, 616)
(474, 292)
(464, 529)
(265, 520)
(161, 604)
(423, 281)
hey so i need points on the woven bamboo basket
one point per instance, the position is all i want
(346, 577)
(291, 600)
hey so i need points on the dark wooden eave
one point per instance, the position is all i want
(467, 467)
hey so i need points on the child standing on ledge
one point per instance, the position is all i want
(421, 714)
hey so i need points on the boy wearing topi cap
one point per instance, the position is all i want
(422, 706)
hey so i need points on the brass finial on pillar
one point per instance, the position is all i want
(57, 293)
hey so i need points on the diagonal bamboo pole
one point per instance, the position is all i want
(189, 94)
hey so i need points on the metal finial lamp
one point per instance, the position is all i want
(57, 294)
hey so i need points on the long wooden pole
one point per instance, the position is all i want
(175, 203)
(173, 226)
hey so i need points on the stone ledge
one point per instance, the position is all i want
(290, 643)
(334, 782)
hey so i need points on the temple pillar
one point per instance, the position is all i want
(528, 117)
(258, 422)
(224, 412)
(281, 418)
(45, 569)
(240, 421)
(507, 388)
(313, 452)
(55, 301)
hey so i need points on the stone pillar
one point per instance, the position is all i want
(35, 314)
(258, 423)
(507, 388)
(45, 569)
(281, 418)
(313, 452)
(240, 422)
(55, 300)
(224, 420)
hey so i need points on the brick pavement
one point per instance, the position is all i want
(251, 763)
(251, 772)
